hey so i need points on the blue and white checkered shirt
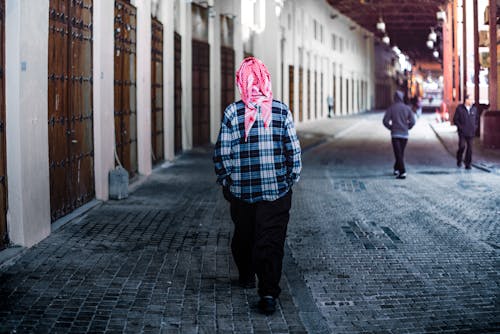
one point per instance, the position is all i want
(264, 167)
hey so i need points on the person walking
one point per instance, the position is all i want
(257, 160)
(330, 101)
(465, 119)
(399, 118)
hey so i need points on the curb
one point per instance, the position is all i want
(441, 140)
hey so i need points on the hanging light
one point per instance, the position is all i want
(435, 53)
(381, 25)
(441, 16)
(432, 35)
(386, 40)
(278, 7)
(430, 44)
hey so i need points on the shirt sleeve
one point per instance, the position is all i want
(292, 151)
(411, 119)
(222, 151)
(387, 119)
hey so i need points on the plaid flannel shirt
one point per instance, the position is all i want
(264, 167)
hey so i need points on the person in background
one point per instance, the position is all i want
(399, 118)
(466, 120)
(257, 160)
(330, 102)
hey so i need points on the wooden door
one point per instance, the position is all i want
(321, 97)
(308, 94)
(157, 91)
(315, 95)
(227, 77)
(71, 155)
(301, 94)
(334, 96)
(177, 94)
(347, 94)
(290, 89)
(201, 92)
(3, 153)
(125, 85)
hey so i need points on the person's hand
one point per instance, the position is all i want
(227, 193)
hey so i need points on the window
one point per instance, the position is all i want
(321, 33)
(334, 42)
(341, 45)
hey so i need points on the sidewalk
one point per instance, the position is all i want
(482, 158)
(156, 262)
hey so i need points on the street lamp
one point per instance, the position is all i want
(432, 35)
(435, 53)
(381, 25)
(386, 40)
(430, 44)
(441, 16)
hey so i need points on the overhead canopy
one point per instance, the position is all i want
(407, 22)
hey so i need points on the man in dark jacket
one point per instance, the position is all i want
(399, 119)
(466, 121)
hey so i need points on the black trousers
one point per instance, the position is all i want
(462, 143)
(399, 145)
(259, 240)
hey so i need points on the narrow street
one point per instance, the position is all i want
(365, 253)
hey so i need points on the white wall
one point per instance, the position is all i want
(103, 90)
(26, 45)
(144, 157)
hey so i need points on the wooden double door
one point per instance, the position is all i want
(70, 114)
(3, 153)
(227, 77)
(125, 86)
(177, 93)
(201, 93)
(157, 91)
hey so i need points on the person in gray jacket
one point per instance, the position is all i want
(399, 119)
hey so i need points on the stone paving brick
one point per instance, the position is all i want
(158, 262)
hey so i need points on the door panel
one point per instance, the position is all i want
(177, 94)
(201, 93)
(301, 94)
(125, 85)
(227, 77)
(157, 90)
(3, 153)
(290, 89)
(70, 114)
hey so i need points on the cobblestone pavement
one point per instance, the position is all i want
(419, 255)
(365, 254)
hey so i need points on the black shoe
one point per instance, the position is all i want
(267, 305)
(401, 176)
(468, 167)
(459, 164)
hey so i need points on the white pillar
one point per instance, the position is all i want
(144, 86)
(167, 18)
(267, 45)
(103, 92)
(187, 75)
(26, 45)
(238, 42)
(215, 75)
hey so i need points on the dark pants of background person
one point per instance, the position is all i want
(259, 239)
(330, 109)
(462, 141)
(398, 145)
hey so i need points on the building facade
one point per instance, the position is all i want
(90, 85)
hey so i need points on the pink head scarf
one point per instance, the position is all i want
(254, 83)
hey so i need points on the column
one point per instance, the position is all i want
(144, 86)
(26, 46)
(448, 57)
(490, 120)
(103, 93)
(167, 17)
